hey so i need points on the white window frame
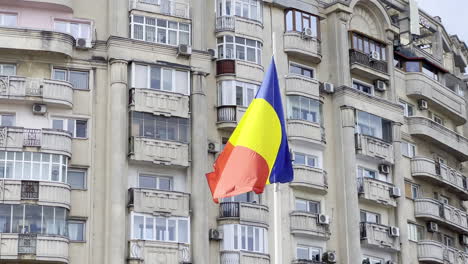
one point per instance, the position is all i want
(85, 177)
(406, 107)
(156, 27)
(166, 232)
(227, 91)
(368, 214)
(259, 5)
(67, 76)
(82, 222)
(252, 197)
(301, 107)
(2, 18)
(158, 178)
(173, 76)
(363, 172)
(298, 65)
(311, 250)
(258, 49)
(371, 86)
(65, 122)
(413, 232)
(308, 206)
(409, 148)
(80, 29)
(307, 158)
(239, 233)
(5, 115)
(2, 66)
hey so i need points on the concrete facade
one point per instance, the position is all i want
(112, 112)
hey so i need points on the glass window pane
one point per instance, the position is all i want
(171, 229)
(161, 229)
(182, 82)
(138, 32)
(5, 218)
(150, 34)
(167, 80)
(156, 77)
(250, 238)
(165, 183)
(149, 228)
(172, 37)
(79, 80)
(17, 224)
(138, 227)
(147, 181)
(76, 230)
(32, 219)
(76, 179)
(183, 231)
(81, 127)
(60, 75)
(162, 35)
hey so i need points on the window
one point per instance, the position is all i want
(245, 237)
(367, 45)
(430, 71)
(230, 47)
(448, 241)
(415, 232)
(171, 229)
(308, 252)
(298, 21)
(76, 230)
(365, 88)
(7, 69)
(366, 173)
(155, 182)
(301, 70)
(304, 108)
(411, 190)
(236, 93)
(374, 260)
(413, 66)
(308, 206)
(76, 29)
(439, 120)
(250, 9)
(408, 108)
(160, 127)
(408, 149)
(33, 166)
(78, 79)
(374, 126)
(8, 19)
(77, 127)
(7, 120)
(35, 219)
(161, 78)
(249, 197)
(159, 30)
(369, 217)
(444, 199)
(307, 160)
(77, 179)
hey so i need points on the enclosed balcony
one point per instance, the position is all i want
(159, 151)
(144, 251)
(363, 65)
(440, 174)
(374, 148)
(243, 257)
(36, 248)
(175, 8)
(36, 192)
(376, 191)
(158, 201)
(244, 213)
(378, 237)
(307, 224)
(436, 134)
(241, 69)
(44, 140)
(305, 131)
(309, 48)
(35, 90)
(441, 98)
(36, 40)
(159, 102)
(309, 179)
(300, 85)
(430, 251)
(449, 216)
(240, 25)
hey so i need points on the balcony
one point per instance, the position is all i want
(45, 140)
(178, 8)
(449, 216)
(378, 237)
(51, 92)
(229, 116)
(242, 69)
(152, 201)
(66, 5)
(159, 102)
(171, 153)
(305, 131)
(438, 135)
(376, 191)
(296, 45)
(435, 252)
(144, 251)
(362, 65)
(374, 148)
(440, 174)
(36, 248)
(36, 40)
(245, 213)
(421, 86)
(304, 223)
(243, 257)
(300, 85)
(310, 179)
(240, 25)
(42, 193)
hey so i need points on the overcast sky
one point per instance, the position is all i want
(454, 14)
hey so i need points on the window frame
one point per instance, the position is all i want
(2, 18)
(85, 177)
(77, 221)
(12, 115)
(80, 24)
(361, 173)
(361, 84)
(407, 106)
(65, 122)
(67, 72)
(415, 232)
(368, 125)
(310, 252)
(174, 82)
(222, 43)
(230, 86)
(154, 227)
(308, 204)
(224, 7)
(314, 107)
(366, 213)
(156, 124)
(438, 119)
(410, 149)
(2, 69)
(302, 67)
(236, 238)
(158, 28)
(365, 39)
(307, 158)
(303, 15)
(157, 177)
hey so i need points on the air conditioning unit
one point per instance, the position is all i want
(464, 240)
(380, 85)
(323, 219)
(432, 227)
(374, 56)
(394, 231)
(395, 192)
(213, 53)
(366, 261)
(307, 33)
(329, 257)
(422, 104)
(184, 50)
(215, 234)
(39, 109)
(328, 87)
(384, 168)
(213, 147)
(82, 43)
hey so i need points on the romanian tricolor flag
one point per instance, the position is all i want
(257, 152)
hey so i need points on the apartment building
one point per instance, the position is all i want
(111, 113)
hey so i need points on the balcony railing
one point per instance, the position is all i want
(375, 148)
(164, 152)
(229, 116)
(441, 174)
(244, 212)
(376, 191)
(364, 59)
(243, 257)
(225, 23)
(46, 193)
(142, 251)
(27, 244)
(167, 202)
(295, 43)
(247, 27)
(444, 214)
(305, 131)
(39, 248)
(304, 223)
(309, 178)
(297, 84)
(159, 102)
(435, 252)
(378, 236)
(29, 190)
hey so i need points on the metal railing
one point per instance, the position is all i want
(32, 137)
(229, 209)
(364, 59)
(227, 113)
(27, 243)
(174, 8)
(225, 23)
(29, 190)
